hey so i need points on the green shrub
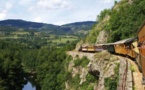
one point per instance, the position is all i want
(85, 61)
(132, 68)
(81, 62)
(74, 82)
(77, 62)
(110, 83)
(89, 84)
(90, 78)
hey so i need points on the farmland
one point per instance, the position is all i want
(40, 38)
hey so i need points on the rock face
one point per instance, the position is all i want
(78, 46)
(102, 66)
(102, 37)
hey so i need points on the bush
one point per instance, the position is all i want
(110, 83)
(81, 62)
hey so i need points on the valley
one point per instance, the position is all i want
(49, 56)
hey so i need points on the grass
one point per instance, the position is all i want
(19, 33)
(63, 40)
(10, 37)
(50, 39)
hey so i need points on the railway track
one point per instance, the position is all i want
(124, 78)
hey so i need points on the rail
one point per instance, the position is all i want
(124, 78)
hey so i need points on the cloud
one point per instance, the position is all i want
(3, 15)
(50, 5)
(25, 2)
(38, 19)
(107, 1)
(3, 12)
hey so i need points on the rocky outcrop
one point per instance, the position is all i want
(102, 37)
(83, 75)
(102, 65)
(78, 46)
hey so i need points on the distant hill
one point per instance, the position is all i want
(53, 29)
(86, 25)
(21, 24)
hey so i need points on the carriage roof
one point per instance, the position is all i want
(125, 41)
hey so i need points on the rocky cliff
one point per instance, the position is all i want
(110, 72)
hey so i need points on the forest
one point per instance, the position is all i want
(43, 66)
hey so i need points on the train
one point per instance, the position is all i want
(132, 48)
(123, 47)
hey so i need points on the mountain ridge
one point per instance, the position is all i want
(58, 29)
(8, 22)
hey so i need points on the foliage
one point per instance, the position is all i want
(91, 37)
(87, 85)
(81, 62)
(124, 21)
(90, 78)
(103, 14)
(11, 72)
(74, 82)
(110, 83)
(43, 65)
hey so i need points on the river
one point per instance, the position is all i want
(29, 86)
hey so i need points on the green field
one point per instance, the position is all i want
(19, 33)
(64, 40)
(41, 37)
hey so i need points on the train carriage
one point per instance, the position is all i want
(91, 49)
(141, 46)
(99, 47)
(84, 49)
(125, 47)
(109, 47)
(87, 48)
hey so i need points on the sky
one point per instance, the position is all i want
(56, 12)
